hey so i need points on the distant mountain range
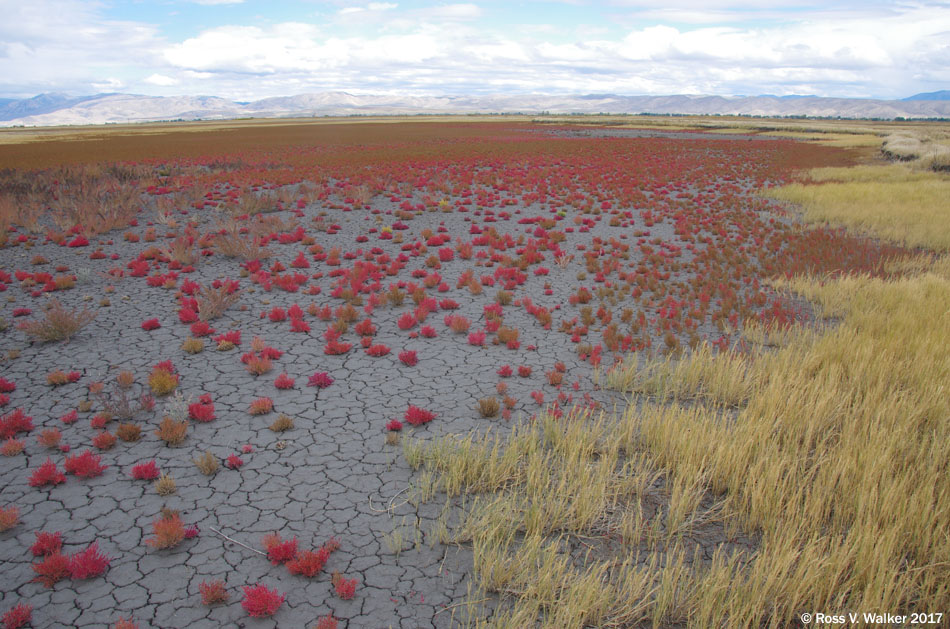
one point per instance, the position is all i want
(60, 109)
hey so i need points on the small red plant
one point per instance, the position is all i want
(277, 314)
(335, 348)
(52, 569)
(394, 425)
(201, 328)
(377, 350)
(85, 465)
(308, 563)
(299, 325)
(320, 379)
(409, 358)
(524, 371)
(47, 474)
(151, 324)
(260, 601)
(88, 563)
(428, 331)
(406, 321)
(104, 440)
(476, 338)
(122, 623)
(418, 416)
(345, 588)
(13, 422)
(47, 544)
(234, 461)
(145, 471)
(203, 409)
(504, 371)
(327, 622)
(213, 592)
(283, 381)
(279, 550)
(22, 614)
(69, 417)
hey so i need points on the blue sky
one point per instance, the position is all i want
(248, 49)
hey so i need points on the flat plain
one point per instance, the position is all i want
(469, 372)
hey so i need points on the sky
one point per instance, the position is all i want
(247, 50)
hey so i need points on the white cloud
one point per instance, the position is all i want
(216, 2)
(881, 49)
(161, 80)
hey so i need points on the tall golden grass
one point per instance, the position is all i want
(890, 202)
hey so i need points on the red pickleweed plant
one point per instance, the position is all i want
(299, 325)
(69, 417)
(104, 440)
(283, 381)
(377, 350)
(409, 358)
(278, 549)
(85, 465)
(47, 544)
(213, 592)
(201, 328)
(122, 623)
(145, 471)
(52, 569)
(260, 601)
(151, 324)
(234, 461)
(88, 563)
(406, 321)
(327, 622)
(394, 425)
(7, 386)
(13, 422)
(22, 614)
(344, 588)
(320, 379)
(365, 328)
(203, 409)
(99, 420)
(504, 371)
(277, 314)
(335, 348)
(418, 416)
(428, 331)
(524, 371)
(476, 338)
(308, 563)
(47, 474)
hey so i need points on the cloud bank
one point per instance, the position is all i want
(881, 50)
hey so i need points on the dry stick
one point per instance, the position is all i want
(481, 600)
(259, 552)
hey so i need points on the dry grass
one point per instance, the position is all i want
(58, 323)
(889, 202)
(213, 302)
(207, 463)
